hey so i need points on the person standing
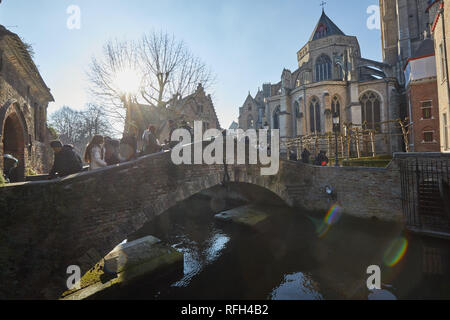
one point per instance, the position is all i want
(128, 147)
(66, 161)
(151, 143)
(112, 154)
(95, 154)
(305, 156)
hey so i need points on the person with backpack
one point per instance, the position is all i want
(321, 159)
(112, 152)
(66, 161)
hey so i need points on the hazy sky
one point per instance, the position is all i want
(245, 42)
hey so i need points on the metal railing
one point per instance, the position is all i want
(426, 194)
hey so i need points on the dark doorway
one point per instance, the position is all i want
(14, 142)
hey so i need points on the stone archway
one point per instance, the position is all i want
(14, 138)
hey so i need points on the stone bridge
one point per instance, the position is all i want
(47, 226)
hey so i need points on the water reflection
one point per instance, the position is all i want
(286, 260)
(298, 286)
(195, 259)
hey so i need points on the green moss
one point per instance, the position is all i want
(30, 172)
(93, 281)
(366, 163)
(2, 180)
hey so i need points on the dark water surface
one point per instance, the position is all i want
(285, 258)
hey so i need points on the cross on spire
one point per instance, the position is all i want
(322, 4)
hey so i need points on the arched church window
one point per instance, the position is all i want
(276, 118)
(250, 122)
(371, 110)
(314, 115)
(296, 109)
(336, 109)
(323, 68)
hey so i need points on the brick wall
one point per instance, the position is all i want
(418, 93)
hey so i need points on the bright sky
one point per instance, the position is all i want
(245, 42)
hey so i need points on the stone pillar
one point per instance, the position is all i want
(285, 117)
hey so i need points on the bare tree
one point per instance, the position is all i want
(79, 127)
(159, 66)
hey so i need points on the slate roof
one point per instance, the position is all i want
(325, 28)
(426, 48)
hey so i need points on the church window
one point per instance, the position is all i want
(371, 111)
(276, 118)
(297, 109)
(443, 64)
(250, 122)
(322, 31)
(314, 115)
(323, 68)
(445, 126)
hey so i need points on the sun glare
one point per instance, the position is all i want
(127, 81)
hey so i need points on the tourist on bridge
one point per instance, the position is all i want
(66, 161)
(305, 156)
(10, 168)
(128, 147)
(112, 154)
(151, 142)
(95, 153)
(321, 159)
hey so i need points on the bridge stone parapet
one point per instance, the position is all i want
(47, 226)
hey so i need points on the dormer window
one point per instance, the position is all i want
(322, 31)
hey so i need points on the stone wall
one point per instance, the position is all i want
(24, 99)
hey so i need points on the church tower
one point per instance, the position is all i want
(403, 26)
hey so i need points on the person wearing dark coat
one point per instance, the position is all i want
(305, 156)
(321, 159)
(66, 161)
(10, 168)
(112, 153)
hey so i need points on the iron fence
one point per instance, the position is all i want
(426, 194)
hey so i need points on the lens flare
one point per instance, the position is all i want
(396, 252)
(333, 215)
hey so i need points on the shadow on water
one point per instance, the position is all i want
(287, 257)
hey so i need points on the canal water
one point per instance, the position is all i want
(293, 255)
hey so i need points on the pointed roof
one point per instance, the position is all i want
(325, 28)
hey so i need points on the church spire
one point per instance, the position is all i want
(325, 27)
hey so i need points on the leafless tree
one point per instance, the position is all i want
(78, 127)
(163, 67)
